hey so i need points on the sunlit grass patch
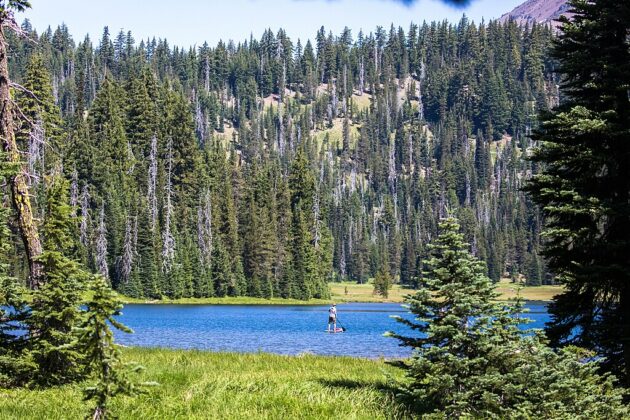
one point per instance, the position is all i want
(202, 385)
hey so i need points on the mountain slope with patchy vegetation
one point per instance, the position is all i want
(270, 167)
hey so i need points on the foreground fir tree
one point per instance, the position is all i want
(68, 338)
(584, 189)
(14, 368)
(55, 311)
(471, 359)
(102, 356)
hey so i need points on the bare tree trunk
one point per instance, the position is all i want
(19, 183)
(168, 248)
(101, 246)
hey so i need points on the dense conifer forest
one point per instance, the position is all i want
(272, 166)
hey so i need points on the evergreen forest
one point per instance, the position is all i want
(270, 167)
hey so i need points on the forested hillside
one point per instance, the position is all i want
(270, 167)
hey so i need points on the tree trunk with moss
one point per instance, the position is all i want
(19, 186)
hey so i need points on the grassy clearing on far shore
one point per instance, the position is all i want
(355, 293)
(240, 300)
(364, 292)
(508, 290)
(204, 385)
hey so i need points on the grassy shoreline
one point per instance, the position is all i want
(347, 292)
(240, 300)
(199, 384)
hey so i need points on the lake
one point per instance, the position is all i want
(282, 329)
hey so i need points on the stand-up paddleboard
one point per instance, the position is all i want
(337, 330)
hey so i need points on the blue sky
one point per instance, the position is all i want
(191, 22)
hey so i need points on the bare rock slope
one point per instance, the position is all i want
(541, 11)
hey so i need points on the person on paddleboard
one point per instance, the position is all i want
(332, 317)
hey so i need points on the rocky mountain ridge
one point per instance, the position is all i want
(541, 11)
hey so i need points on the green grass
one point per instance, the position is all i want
(335, 135)
(362, 102)
(204, 385)
(508, 290)
(364, 292)
(353, 292)
(240, 300)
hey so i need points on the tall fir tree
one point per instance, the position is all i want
(102, 356)
(55, 311)
(584, 188)
(471, 359)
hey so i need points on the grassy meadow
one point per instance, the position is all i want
(353, 292)
(228, 300)
(508, 290)
(365, 293)
(204, 385)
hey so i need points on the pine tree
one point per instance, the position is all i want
(102, 356)
(257, 250)
(221, 270)
(584, 189)
(306, 276)
(303, 261)
(55, 311)
(148, 267)
(407, 263)
(382, 283)
(41, 126)
(113, 161)
(142, 120)
(471, 359)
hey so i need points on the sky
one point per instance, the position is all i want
(191, 22)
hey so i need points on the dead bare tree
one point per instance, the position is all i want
(84, 226)
(101, 246)
(129, 251)
(74, 192)
(36, 140)
(168, 245)
(204, 229)
(20, 197)
(151, 190)
(361, 78)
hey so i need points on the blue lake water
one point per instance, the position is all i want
(282, 329)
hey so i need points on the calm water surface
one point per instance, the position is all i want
(282, 329)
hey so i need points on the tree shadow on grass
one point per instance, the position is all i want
(351, 384)
(396, 409)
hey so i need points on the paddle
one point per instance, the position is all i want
(342, 327)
